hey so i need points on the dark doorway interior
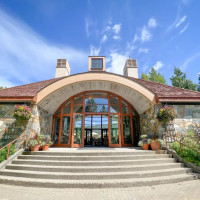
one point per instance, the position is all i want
(96, 130)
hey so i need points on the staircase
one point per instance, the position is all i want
(93, 168)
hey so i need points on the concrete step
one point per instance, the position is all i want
(93, 158)
(91, 153)
(94, 169)
(93, 176)
(92, 163)
(113, 183)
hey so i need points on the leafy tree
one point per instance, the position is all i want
(154, 76)
(1, 87)
(179, 80)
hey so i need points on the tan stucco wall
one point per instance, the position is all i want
(51, 97)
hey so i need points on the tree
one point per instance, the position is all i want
(154, 76)
(179, 80)
(198, 86)
(1, 87)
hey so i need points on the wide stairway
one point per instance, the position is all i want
(93, 168)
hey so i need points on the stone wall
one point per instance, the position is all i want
(40, 122)
(187, 115)
(149, 122)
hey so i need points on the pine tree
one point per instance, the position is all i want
(179, 80)
(198, 86)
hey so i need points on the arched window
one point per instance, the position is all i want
(95, 118)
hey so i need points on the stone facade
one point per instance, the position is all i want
(149, 122)
(10, 129)
(187, 115)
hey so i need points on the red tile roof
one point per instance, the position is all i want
(163, 92)
(168, 93)
(26, 91)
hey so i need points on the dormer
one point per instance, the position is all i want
(97, 63)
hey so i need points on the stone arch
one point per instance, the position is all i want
(52, 96)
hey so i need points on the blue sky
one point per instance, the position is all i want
(33, 34)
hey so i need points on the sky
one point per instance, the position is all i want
(159, 34)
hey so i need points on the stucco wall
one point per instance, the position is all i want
(187, 115)
(40, 122)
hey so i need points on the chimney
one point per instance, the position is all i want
(130, 68)
(62, 68)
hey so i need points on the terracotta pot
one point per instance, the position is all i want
(45, 147)
(155, 145)
(35, 148)
(145, 146)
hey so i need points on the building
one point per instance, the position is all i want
(95, 108)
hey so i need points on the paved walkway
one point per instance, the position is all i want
(189, 190)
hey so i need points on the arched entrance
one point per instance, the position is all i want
(95, 118)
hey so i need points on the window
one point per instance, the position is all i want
(97, 63)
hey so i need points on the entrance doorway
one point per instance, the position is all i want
(96, 130)
(95, 118)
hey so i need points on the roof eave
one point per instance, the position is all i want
(175, 99)
(18, 99)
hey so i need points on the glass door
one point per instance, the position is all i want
(114, 131)
(65, 131)
(126, 128)
(78, 131)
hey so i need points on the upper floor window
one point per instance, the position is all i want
(97, 63)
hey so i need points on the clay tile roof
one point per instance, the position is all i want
(28, 90)
(162, 92)
(168, 93)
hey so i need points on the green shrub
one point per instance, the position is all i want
(189, 154)
(3, 152)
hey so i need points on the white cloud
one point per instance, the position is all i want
(143, 50)
(130, 46)
(5, 83)
(192, 58)
(26, 57)
(117, 28)
(136, 37)
(116, 37)
(94, 51)
(88, 23)
(152, 23)
(117, 63)
(181, 21)
(104, 38)
(145, 35)
(110, 21)
(158, 65)
(108, 28)
(186, 2)
(184, 28)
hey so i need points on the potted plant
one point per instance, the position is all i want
(166, 114)
(155, 142)
(22, 113)
(35, 142)
(46, 143)
(144, 142)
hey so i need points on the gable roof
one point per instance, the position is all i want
(164, 93)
